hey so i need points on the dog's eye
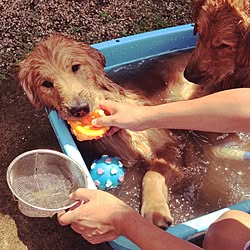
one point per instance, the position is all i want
(218, 44)
(47, 84)
(75, 67)
(223, 46)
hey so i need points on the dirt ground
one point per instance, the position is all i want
(23, 129)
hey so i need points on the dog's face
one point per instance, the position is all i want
(64, 74)
(223, 41)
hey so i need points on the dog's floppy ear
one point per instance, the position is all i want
(243, 57)
(99, 56)
(26, 80)
(95, 54)
(196, 7)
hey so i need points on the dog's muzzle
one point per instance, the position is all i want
(80, 110)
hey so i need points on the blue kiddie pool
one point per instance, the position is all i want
(127, 50)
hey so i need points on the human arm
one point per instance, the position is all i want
(225, 111)
(104, 217)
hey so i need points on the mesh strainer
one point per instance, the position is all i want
(42, 180)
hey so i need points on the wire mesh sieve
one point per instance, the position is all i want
(42, 180)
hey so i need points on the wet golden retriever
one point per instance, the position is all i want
(221, 58)
(69, 76)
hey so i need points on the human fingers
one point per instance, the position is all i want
(104, 121)
(109, 106)
(83, 194)
(79, 203)
(68, 217)
(59, 215)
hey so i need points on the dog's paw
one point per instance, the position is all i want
(158, 214)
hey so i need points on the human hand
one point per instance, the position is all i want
(99, 219)
(122, 115)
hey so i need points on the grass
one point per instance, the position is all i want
(147, 23)
(105, 16)
(3, 77)
(76, 29)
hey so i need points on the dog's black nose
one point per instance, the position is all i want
(81, 110)
(192, 76)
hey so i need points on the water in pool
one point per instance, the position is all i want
(216, 176)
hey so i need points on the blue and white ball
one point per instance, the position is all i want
(107, 172)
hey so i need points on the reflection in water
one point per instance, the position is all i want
(216, 174)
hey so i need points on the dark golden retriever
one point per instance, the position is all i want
(221, 58)
(69, 76)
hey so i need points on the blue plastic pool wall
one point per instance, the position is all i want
(123, 51)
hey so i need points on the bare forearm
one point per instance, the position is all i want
(227, 111)
(147, 236)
